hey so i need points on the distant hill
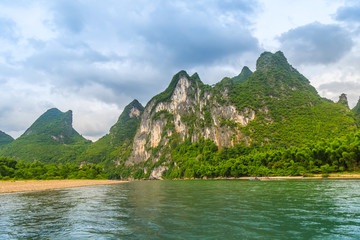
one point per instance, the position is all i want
(5, 139)
(51, 138)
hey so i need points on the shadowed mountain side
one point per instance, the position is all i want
(5, 139)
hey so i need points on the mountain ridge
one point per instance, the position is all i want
(190, 122)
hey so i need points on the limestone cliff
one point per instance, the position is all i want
(274, 106)
(188, 109)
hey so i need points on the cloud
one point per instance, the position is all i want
(151, 43)
(334, 89)
(69, 15)
(192, 35)
(316, 43)
(8, 29)
(99, 56)
(349, 13)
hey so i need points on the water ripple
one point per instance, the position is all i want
(304, 209)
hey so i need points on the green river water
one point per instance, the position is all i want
(197, 209)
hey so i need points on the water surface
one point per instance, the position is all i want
(223, 209)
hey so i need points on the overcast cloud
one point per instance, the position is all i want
(316, 43)
(95, 57)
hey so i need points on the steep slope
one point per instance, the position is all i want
(289, 110)
(273, 107)
(343, 100)
(5, 139)
(243, 76)
(51, 138)
(186, 109)
(117, 144)
(356, 112)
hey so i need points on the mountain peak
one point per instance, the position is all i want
(268, 60)
(243, 76)
(55, 124)
(343, 100)
(127, 123)
(133, 109)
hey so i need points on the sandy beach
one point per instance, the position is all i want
(34, 185)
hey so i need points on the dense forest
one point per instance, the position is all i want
(18, 170)
(204, 159)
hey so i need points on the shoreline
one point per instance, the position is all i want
(269, 178)
(331, 176)
(42, 185)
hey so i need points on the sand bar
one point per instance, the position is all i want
(31, 185)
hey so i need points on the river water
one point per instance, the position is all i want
(198, 209)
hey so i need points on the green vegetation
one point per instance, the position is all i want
(116, 144)
(5, 139)
(290, 130)
(50, 139)
(202, 159)
(343, 100)
(243, 76)
(165, 96)
(356, 111)
(289, 112)
(18, 170)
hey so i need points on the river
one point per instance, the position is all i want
(189, 209)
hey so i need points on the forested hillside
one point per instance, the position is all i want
(50, 139)
(267, 122)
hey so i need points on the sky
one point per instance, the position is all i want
(95, 57)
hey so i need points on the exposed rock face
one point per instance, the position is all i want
(251, 108)
(343, 100)
(134, 112)
(189, 112)
(156, 173)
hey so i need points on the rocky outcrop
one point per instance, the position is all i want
(157, 172)
(343, 100)
(190, 111)
(253, 108)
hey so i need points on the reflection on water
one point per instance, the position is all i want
(307, 209)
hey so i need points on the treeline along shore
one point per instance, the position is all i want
(205, 160)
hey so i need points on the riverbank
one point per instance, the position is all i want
(40, 185)
(315, 176)
(354, 175)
